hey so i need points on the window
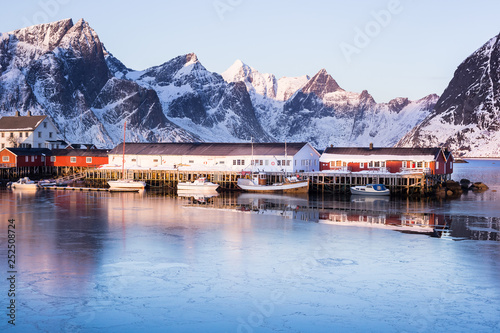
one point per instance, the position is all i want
(242, 162)
(72, 159)
(134, 160)
(27, 134)
(278, 162)
(39, 134)
(3, 145)
(32, 158)
(191, 161)
(267, 162)
(437, 165)
(21, 134)
(155, 160)
(362, 165)
(404, 164)
(50, 134)
(382, 164)
(89, 160)
(3, 135)
(338, 163)
(234, 162)
(221, 162)
(5, 158)
(39, 145)
(419, 165)
(27, 159)
(451, 165)
(11, 134)
(43, 158)
(376, 164)
(44, 125)
(52, 158)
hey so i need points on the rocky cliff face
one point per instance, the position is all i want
(467, 116)
(60, 69)
(63, 70)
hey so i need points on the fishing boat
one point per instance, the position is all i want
(258, 183)
(200, 185)
(24, 184)
(370, 189)
(125, 184)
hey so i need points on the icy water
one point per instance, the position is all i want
(127, 262)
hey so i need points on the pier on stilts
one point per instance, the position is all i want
(416, 184)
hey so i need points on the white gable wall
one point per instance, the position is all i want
(306, 159)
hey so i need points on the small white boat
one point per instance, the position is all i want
(370, 189)
(201, 184)
(126, 184)
(258, 184)
(25, 184)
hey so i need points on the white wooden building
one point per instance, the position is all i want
(268, 157)
(28, 132)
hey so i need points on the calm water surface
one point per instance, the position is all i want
(126, 262)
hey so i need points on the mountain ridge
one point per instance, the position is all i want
(64, 70)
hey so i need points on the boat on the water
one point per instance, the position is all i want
(258, 183)
(201, 185)
(24, 184)
(370, 189)
(125, 184)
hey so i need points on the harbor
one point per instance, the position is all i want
(407, 184)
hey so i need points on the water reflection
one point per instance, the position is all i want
(420, 216)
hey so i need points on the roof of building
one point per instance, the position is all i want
(208, 148)
(382, 151)
(20, 123)
(80, 152)
(30, 151)
(365, 153)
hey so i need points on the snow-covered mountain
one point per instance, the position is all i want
(318, 110)
(467, 116)
(63, 70)
(59, 69)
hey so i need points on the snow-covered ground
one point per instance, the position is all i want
(102, 262)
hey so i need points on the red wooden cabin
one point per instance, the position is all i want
(435, 161)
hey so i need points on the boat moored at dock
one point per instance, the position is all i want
(370, 189)
(199, 185)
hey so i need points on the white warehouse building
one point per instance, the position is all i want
(266, 157)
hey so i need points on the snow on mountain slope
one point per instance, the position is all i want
(63, 70)
(332, 115)
(467, 116)
(59, 69)
(202, 101)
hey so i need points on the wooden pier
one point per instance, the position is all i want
(400, 184)
(416, 184)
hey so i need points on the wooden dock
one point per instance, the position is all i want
(417, 184)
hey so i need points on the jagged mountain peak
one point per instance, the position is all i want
(263, 84)
(45, 37)
(321, 84)
(466, 117)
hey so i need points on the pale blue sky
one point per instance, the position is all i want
(412, 53)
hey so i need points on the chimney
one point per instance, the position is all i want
(28, 114)
(16, 114)
(371, 146)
